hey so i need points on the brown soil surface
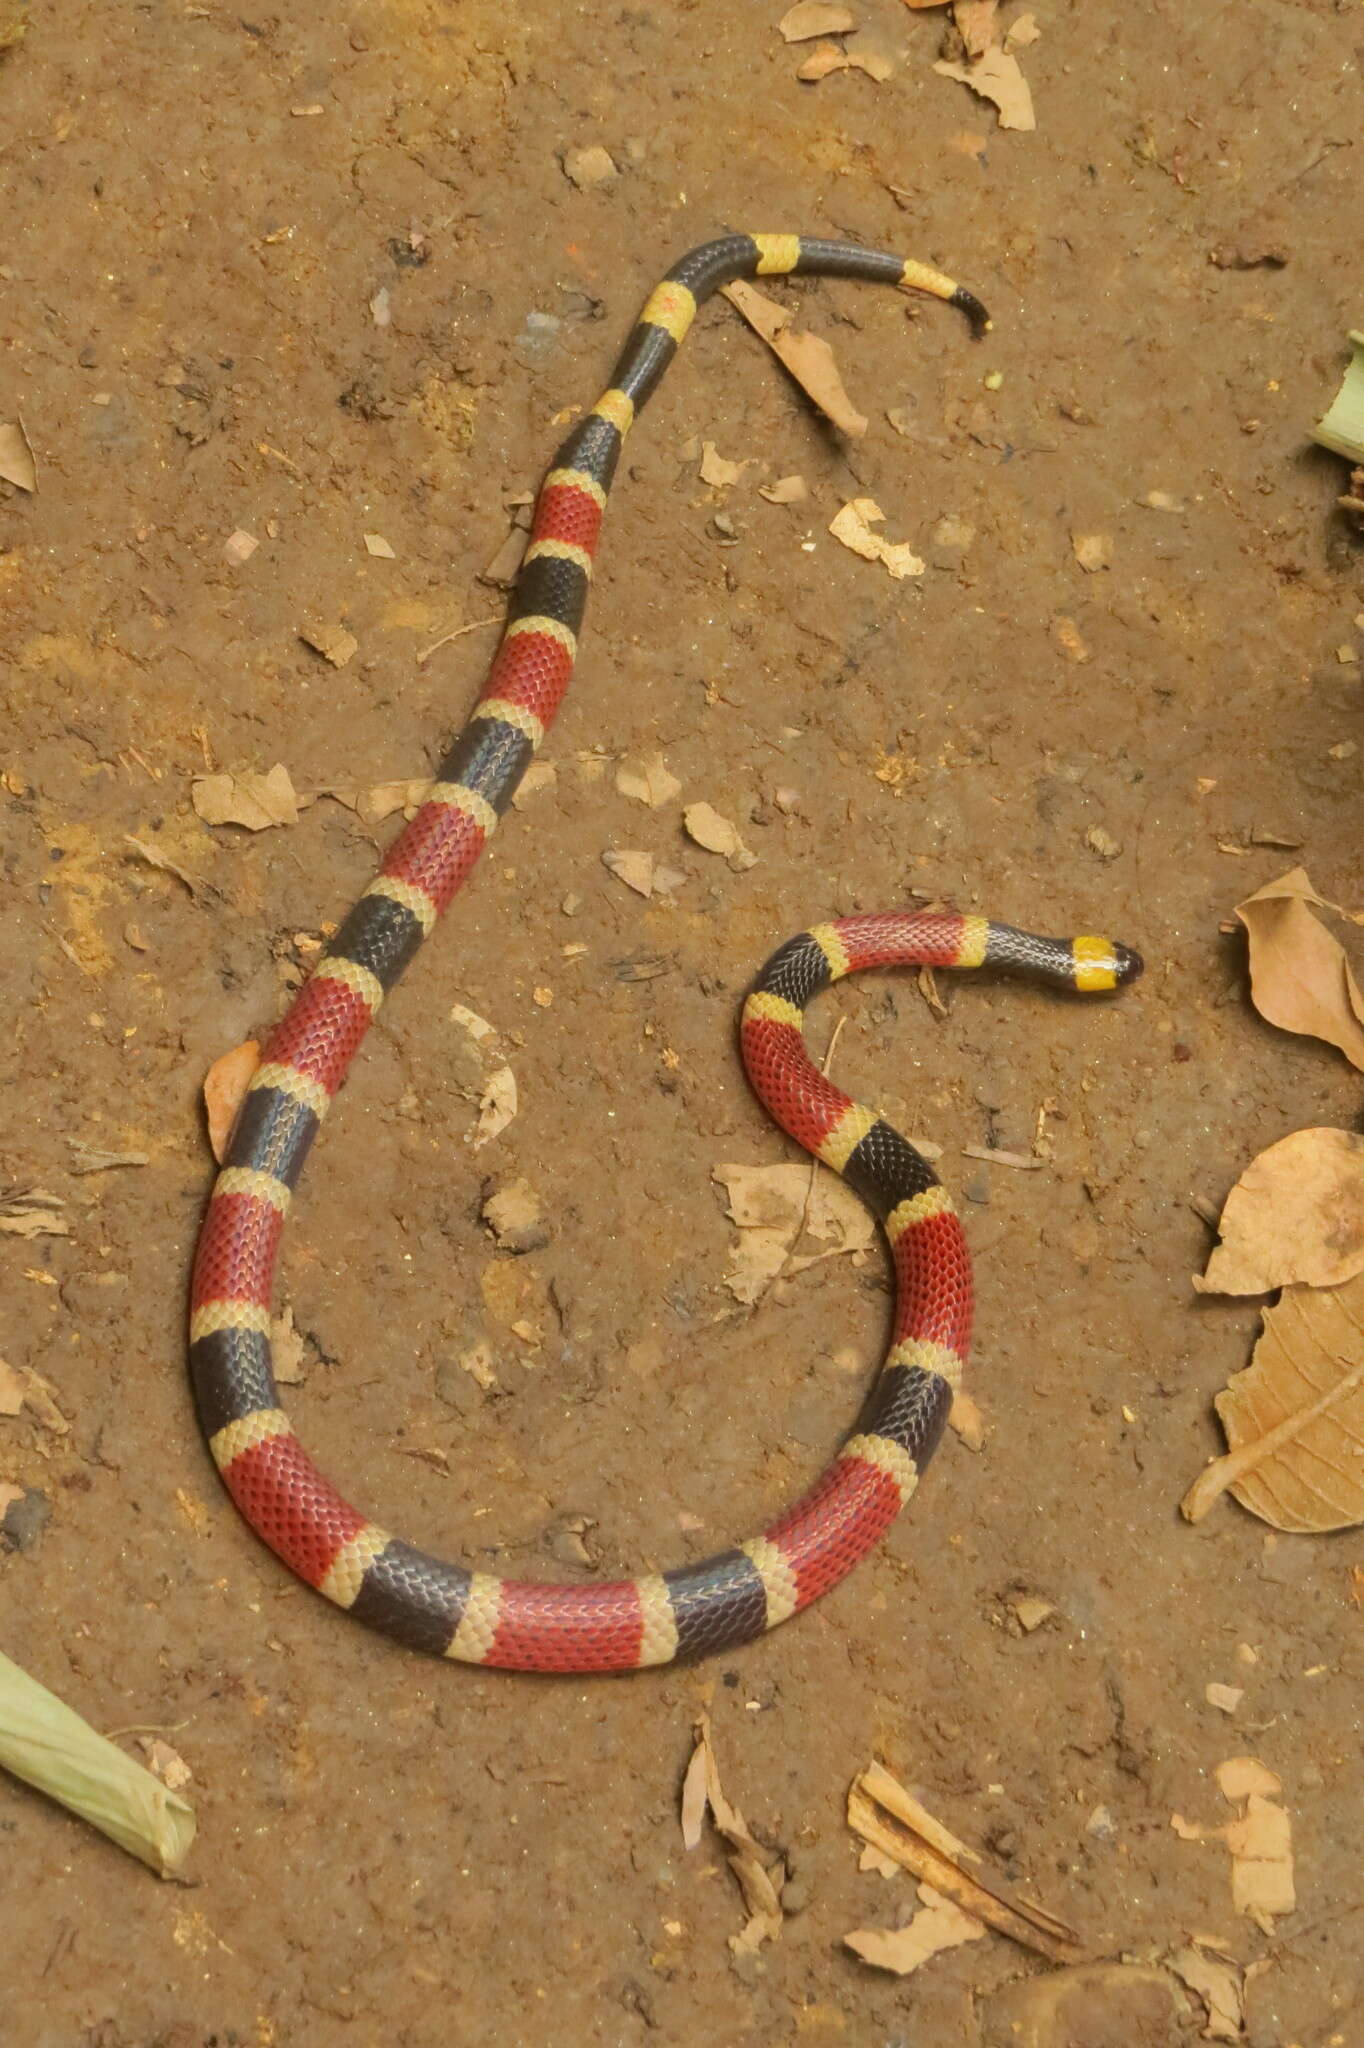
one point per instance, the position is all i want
(200, 204)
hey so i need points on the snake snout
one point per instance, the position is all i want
(1129, 963)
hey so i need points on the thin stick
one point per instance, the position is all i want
(457, 634)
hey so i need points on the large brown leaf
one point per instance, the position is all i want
(1300, 978)
(1296, 1214)
(1294, 1418)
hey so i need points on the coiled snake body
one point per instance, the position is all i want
(732, 1597)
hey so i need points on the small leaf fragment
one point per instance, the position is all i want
(941, 1924)
(225, 1084)
(648, 781)
(996, 77)
(1295, 1215)
(250, 799)
(852, 526)
(17, 466)
(708, 829)
(809, 359)
(810, 18)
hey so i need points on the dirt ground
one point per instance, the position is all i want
(204, 209)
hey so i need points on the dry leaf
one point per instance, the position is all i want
(996, 77)
(631, 866)
(288, 1351)
(32, 1212)
(1296, 1214)
(940, 1925)
(163, 863)
(851, 526)
(717, 835)
(225, 1084)
(1294, 1419)
(239, 547)
(814, 18)
(16, 458)
(976, 24)
(826, 58)
(774, 1207)
(381, 308)
(1226, 1698)
(23, 1388)
(1021, 31)
(787, 490)
(334, 643)
(590, 166)
(1300, 978)
(745, 1858)
(497, 1105)
(250, 799)
(809, 359)
(11, 1389)
(375, 544)
(884, 1814)
(716, 470)
(1218, 1984)
(1261, 1845)
(648, 781)
(512, 1212)
(1093, 551)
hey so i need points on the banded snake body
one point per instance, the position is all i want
(730, 1598)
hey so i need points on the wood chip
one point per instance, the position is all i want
(997, 1157)
(333, 643)
(809, 359)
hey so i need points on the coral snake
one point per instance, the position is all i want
(736, 1595)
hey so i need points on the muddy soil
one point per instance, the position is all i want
(312, 272)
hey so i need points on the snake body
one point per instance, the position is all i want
(474, 1616)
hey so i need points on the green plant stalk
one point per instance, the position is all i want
(49, 1746)
(1343, 427)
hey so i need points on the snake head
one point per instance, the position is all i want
(1101, 964)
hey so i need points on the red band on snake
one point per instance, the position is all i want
(730, 1598)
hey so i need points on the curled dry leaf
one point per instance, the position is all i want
(250, 799)
(997, 77)
(225, 1083)
(809, 359)
(894, 1822)
(852, 526)
(1218, 1984)
(941, 1925)
(1295, 1215)
(1300, 978)
(1294, 1419)
(809, 18)
(717, 835)
(649, 781)
(701, 1789)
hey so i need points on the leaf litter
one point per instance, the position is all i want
(1296, 1216)
(225, 1084)
(1259, 1841)
(807, 356)
(701, 1791)
(1300, 978)
(1294, 1418)
(942, 1924)
(901, 1829)
(776, 1209)
(250, 799)
(852, 526)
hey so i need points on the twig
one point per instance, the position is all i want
(457, 634)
